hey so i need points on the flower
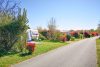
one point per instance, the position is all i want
(30, 46)
(94, 33)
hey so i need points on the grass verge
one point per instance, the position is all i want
(42, 47)
(98, 52)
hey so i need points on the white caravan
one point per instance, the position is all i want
(32, 34)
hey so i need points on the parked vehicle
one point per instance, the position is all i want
(32, 34)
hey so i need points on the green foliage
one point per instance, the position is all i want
(20, 45)
(58, 34)
(11, 30)
(55, 36)
(68, 37)
(44, 33)
(98, 52)
(42, 37)
(76, 35)
(72, 38)
(81, 36)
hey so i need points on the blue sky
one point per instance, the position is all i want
(69, 14)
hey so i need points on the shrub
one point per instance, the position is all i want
(30, 47)
(72, 38)
(75, 34)
(10, 32)
(94, 33)
(81, 36)
(43, 33)
(68, 37)
(62, 38)
(86, 34)
(57, 35)
(42, 37)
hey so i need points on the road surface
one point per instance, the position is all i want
(78, 54)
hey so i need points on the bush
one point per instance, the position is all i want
(43, 33)
(94, 33)
(72, 38)
(86, 35)
(76, 35)
(81, 36)
(10, 31)
(42, 37)
(20, 45)
(68, 37)
(30, 47)
(64, 39)
(57, 35)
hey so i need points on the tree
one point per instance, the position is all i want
(13, 23)
(9, 7)
(52, 25)
(52, 29)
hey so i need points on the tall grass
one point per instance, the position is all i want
(98, 52)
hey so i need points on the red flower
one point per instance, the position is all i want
(72, 33)
(94, 33)
(30, 46)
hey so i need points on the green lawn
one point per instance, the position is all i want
(98, 52)
(42, 47)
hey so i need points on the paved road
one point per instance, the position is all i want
(78, 54)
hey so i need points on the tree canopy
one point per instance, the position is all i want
(13, 23)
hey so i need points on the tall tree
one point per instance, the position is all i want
(52, 29)
(52, 25)
(13, 23)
